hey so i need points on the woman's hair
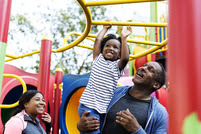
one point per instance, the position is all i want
(109, 37)
(26, 97)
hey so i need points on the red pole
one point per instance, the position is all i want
(184, 66)
(5, 7)
(44, 69)
(156, 35)
(57, 99)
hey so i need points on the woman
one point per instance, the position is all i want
(25, 121)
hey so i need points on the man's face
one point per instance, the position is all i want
(147, 73)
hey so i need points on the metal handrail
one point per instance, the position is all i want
(24, 90)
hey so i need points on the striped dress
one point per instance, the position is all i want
(101, 85)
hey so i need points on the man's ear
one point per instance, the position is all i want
(156, 85)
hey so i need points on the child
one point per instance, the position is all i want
(110, 56)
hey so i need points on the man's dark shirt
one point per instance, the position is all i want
(138, 108)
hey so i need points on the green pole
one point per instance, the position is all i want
(5, 8)
(2, 59)
(153, 18)
(131, 47)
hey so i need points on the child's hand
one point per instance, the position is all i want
(127, 32)
(107, 26)
(46, 117)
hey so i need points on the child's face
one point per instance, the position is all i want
(111, 50)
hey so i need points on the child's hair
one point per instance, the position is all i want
(109, 37)
(26, 97)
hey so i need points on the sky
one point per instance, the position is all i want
(139, 12)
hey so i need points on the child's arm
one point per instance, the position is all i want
(124, 49)
(97, 44)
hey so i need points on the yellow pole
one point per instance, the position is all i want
(113, 2)
(24, 90)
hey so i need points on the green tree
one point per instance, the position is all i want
(60, 23)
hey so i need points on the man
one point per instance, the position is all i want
(132, 110)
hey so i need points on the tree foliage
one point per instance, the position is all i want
(59, 23)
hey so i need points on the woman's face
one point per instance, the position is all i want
(36, 105)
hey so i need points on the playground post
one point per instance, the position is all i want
(5, 7)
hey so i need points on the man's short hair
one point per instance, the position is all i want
(161, 76)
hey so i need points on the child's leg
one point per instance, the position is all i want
(93, 112)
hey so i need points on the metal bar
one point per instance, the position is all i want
(130, 24)
(113, 2)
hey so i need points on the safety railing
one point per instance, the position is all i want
(90, 22)
(24, 90)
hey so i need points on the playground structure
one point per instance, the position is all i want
(71, 92)
(183, 68)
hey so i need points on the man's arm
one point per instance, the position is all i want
(86, 124)
(124, 48)
(97, 44)
(162, 122)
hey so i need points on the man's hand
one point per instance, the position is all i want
(127, 120)
(86, 124)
